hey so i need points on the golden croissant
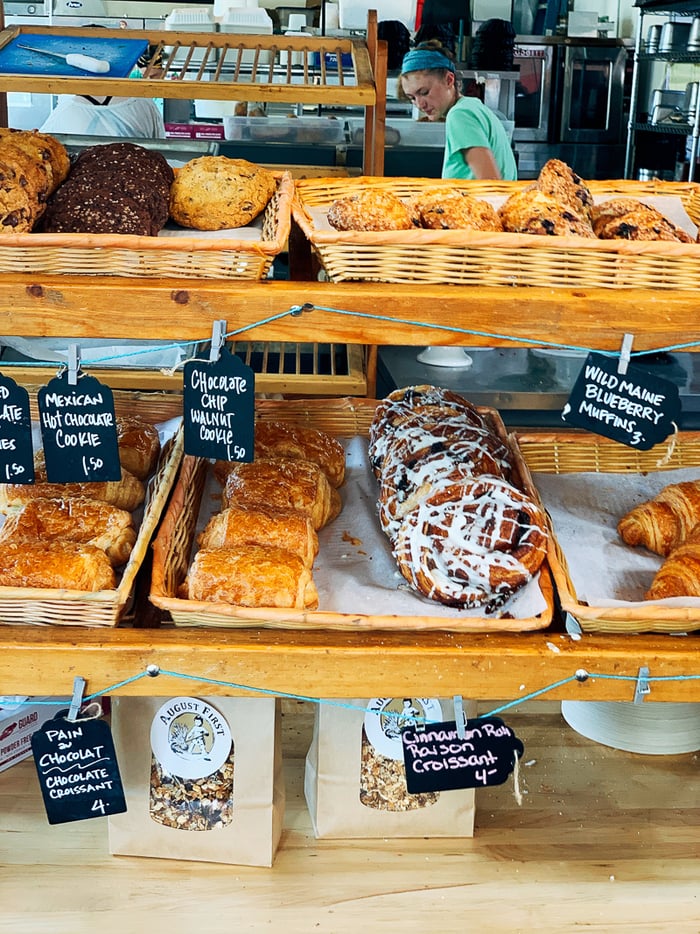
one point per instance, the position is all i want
(663, 523)
(679, 575)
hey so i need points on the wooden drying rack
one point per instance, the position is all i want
(44, 660)
(227, 66)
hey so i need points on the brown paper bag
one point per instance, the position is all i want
(202, 778)
(355, 780)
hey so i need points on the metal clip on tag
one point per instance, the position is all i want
(73, 364)
(625, 352)
(218, 333)
(642, 687)
(77, 699)
(459, 716)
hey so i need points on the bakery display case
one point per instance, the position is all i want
(183, 308)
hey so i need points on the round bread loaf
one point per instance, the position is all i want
(216, 193)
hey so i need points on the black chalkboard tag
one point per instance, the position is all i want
(436, 759)
(78, 431)
(636, 408)
(16, 452)
(219, 408)
(77, 768)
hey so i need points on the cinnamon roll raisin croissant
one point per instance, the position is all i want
(471, 543)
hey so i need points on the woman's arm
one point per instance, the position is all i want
(480, 160)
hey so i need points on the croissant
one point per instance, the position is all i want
(679, 575)
(662, 523)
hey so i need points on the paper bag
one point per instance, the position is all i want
(202, 778)
(355, 780)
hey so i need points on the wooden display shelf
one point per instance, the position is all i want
(370, 313)
(37, 660)
(44, 660)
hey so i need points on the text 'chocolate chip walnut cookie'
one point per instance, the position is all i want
(218, 193)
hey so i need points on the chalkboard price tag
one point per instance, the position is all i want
(219, 408)
(78, 430)
(637, 408)
(16, 452)
(436, 759)
(77, 768)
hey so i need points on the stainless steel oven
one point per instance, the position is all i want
(570, 104)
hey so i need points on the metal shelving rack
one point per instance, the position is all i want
(634, 126)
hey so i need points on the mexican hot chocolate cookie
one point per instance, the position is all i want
(217, 193)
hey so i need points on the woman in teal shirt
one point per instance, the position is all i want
(476, 143)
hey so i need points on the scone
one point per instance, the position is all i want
(626, 220)
(216, 193)
(456, 210)
(558, 179)
(533, 212)
(370, 210)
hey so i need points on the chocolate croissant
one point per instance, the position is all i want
(73, 519)
(664, 522)
(252, 576)
(281, 483)
(286, 528)
(62, 565)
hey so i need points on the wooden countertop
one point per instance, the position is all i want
(604, 840)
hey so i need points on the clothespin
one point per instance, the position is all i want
(642, 686)
(625, 352)
(73, 364)
(77, 699)
(459, 716)
(218, 333)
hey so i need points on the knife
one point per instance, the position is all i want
(75, 60)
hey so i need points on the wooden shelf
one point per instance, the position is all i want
(44, 660)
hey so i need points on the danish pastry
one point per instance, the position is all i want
(252, 576)
(403, 404)
(369, 210)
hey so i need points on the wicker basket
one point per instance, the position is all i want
(581, 452)
(173, 545)
(201, 257)
(459, 257)
(43, 606)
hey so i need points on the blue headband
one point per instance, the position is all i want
(425, 60)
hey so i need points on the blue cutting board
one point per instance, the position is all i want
(122, 55)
